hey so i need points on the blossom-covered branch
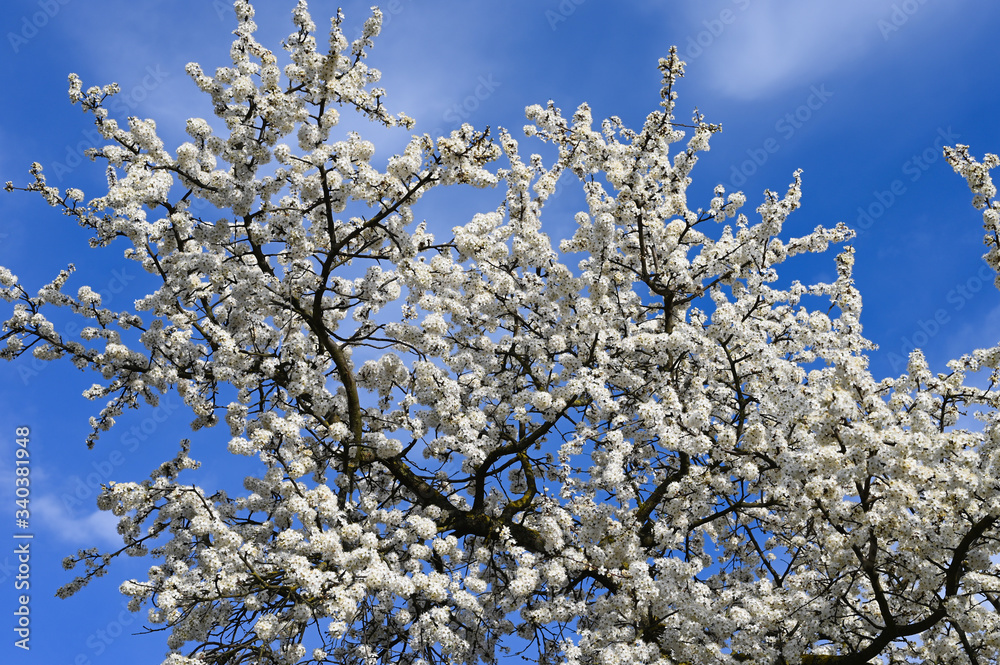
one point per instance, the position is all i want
(627, 445)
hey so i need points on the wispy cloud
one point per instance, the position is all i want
(762, 47)
(89, 530)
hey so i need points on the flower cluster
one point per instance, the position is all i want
(628, 445)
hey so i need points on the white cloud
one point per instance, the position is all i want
(767, 46)
(96, 528)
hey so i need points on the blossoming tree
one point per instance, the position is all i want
(629, 446)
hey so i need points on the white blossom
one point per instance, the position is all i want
(633, 437)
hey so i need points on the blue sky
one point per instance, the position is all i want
(860, 94)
